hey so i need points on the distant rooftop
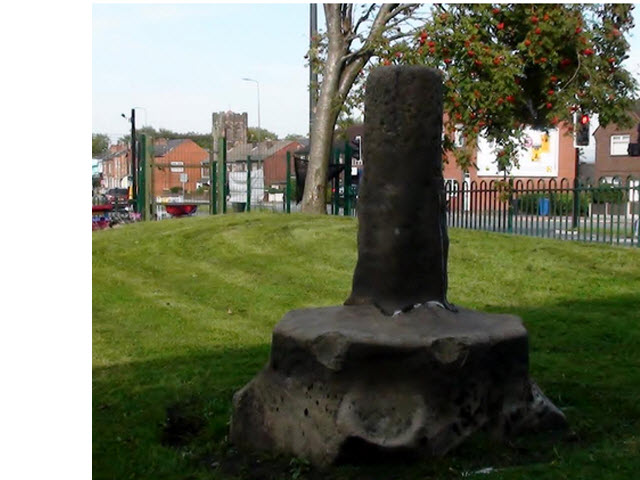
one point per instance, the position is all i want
(161, 149)
(257, 151)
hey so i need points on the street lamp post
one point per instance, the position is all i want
(258, 88)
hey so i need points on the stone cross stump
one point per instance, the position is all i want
(397, 370)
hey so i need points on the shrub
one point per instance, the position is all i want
(606, 193)
(559, 203)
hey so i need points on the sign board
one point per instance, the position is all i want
(539, 158)
(184, 178)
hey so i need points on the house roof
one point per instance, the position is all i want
(161, 149)
(117, 153)
(257, 151)
(635, 112)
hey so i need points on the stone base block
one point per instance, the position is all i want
(347, 383)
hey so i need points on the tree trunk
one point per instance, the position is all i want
(327, 110)
(341, 70)
(321, 142)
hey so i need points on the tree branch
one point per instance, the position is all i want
(399, 8)
(363, 18)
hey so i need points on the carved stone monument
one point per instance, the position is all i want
(397, 370)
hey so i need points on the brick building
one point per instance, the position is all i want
(175, 158)
(612, 158)
(271, 155)
(275, 162)
(116, 167)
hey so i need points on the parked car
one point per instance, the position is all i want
(118, 195)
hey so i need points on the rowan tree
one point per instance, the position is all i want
(510, 66)
(504, 66)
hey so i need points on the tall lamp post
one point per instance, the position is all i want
(258, 87)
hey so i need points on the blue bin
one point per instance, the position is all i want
(543, 206)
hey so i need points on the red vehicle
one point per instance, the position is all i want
(100, 216)
(118, 196)
(181, 209)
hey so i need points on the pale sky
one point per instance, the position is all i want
(182, 62)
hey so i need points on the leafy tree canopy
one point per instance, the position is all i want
(260, 134)
(509, 66)
(99, 144)
(202, 139)
(295, 136)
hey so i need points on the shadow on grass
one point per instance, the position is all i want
(168, 418)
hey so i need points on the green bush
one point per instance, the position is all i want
(559, 203)
(528, 202)
(606, 193)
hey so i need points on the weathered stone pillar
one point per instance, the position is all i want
(350, 383)
(402, 237)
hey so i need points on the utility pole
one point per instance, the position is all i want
(313, 77)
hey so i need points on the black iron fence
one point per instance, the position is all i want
(607, 210)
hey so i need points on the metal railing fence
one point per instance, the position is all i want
(266, 177)
(600, 211)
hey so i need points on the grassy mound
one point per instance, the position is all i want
(183, 312)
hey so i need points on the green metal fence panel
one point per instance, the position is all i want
(287, 187)
(213, 186)
(140, 177)
(248, 207)
(144, 199)
(222, 175)
(347, 179)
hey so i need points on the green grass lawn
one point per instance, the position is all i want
(182, 317)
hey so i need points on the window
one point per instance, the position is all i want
(358, 140)
(619, 144)
(176, 167)
(204, 169)
(458, 137)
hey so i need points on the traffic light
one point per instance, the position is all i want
(582, 131)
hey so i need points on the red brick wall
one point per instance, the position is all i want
(188, 152)
(617, 165)
(275, 166)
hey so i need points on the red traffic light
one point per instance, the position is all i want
(584, 119)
